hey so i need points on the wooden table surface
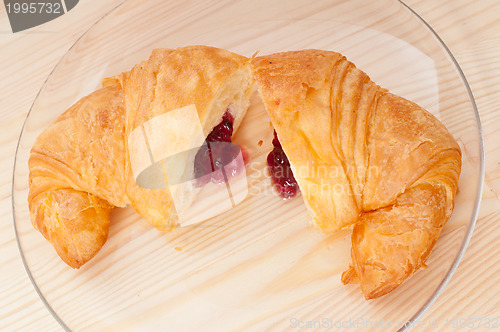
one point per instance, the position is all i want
(470, 28)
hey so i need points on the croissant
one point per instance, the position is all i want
(85, 164)
(361, 156)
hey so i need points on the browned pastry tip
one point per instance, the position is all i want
(77, 174)
(76, 223)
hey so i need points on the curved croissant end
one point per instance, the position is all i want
(395, 166)
(408, 196)
(77, 175)
(75, 222)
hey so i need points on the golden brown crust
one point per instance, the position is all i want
(403, 137)
(172, 79)
(77, 166)
(391, 167)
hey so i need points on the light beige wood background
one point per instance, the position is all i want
(471, 29)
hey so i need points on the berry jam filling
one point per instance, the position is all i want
(217, 158)
(281, 172)
(223, 131)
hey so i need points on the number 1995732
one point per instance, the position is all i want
(472, 323)
(34, 8)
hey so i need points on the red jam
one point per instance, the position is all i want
(281, 172)
(211, 158)
(223, 131)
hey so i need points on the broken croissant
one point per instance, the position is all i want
(361, 156)
(82, 165)
(364, 157)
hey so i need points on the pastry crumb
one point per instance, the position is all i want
(178, 248)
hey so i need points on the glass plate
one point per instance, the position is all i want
(260, 265)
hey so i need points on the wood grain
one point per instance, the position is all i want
(470, 29)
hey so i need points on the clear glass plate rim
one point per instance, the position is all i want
(479, 190)
(459, 255)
